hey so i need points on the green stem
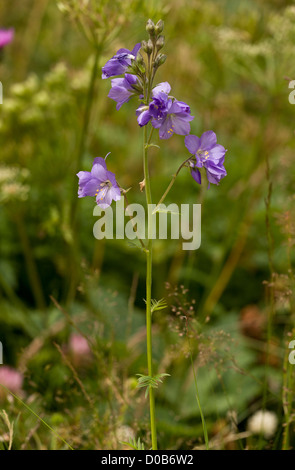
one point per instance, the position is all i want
(132, 221)
(148, 291)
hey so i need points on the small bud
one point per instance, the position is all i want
(131, 68)
(159, 27)
(139, 63)
(150, 27)
(160, 60)
(142, 185)
(150, 45)
(147, 46)
(144, 45)
(160, 42)
(137, 87)
(139, 59)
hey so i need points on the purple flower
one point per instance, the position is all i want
(159, 106)
(122, 89)
(99, 182)
(6, 36)
(163, 87)
(119, 63)
(167, 115)
(177, 120)
(208, 154)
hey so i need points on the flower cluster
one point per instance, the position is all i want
(166, 114)
(163, 111)
(133, 76)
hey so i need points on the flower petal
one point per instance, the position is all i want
(120, 95)
(122, 51)
(163, 87)
(99, 171)
(130, 79)
(217, 152)
(101, 161)
(208, 140)
(180, 126)
(136, 49)
(180, 107)
(91, 188)
(196, 175)
(211, 178)
(112, 178)
(166, 129)
(192, 143)
(143, 118)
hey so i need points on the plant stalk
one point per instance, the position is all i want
(148, 291)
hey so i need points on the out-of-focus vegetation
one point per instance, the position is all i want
(71, 307)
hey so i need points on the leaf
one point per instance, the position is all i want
(146, 381)
(133, 444)
(158, 305)
(151, 145)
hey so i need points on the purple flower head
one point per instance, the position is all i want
(208, 154)
(167, 115)
(122, 89)
(6, 36)
(159, 106)
(99, 182)
(119, 63)
(177, 120)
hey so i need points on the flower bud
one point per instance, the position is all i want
(160, 42)
(150, 44)
(139, 59)
(147, 46)
(144, 45)
(150, 27)
(159, 27)
(138, 88)
(131, 68)
(160, 60)
(140, 63)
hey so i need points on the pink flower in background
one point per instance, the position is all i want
(79, 345)
(79, 349)
(11, 379)
(6, 36)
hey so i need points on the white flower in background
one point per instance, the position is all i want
(13, 185)
(125, 434)
(263, 422)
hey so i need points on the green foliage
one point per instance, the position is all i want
(135, 445)
(146, 381)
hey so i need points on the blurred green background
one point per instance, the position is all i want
(231, 61)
